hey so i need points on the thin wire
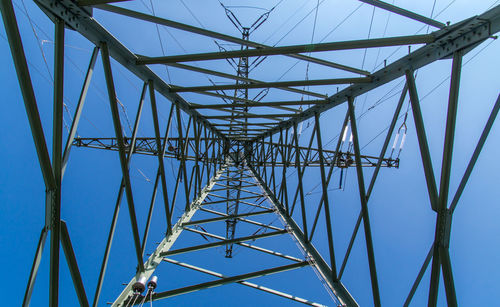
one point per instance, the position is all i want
(380, 101)
(408, 108)
(245, 7)
(366, 51)
(369, 34)
(432, 90)
(160, 40)
(143, 175)
(39, 43)
(325, 37)
(175, 39)
(493, 4)
(423, 27)
(383, 35)
(432, 12)
(286, 21)
(37, 39)
(33, 24)
(70, 61)
(312, 40)
(144, 299)
(192, 14)
(298, 23)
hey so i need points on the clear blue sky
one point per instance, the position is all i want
(402, 221)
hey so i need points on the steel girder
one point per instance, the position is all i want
(80, 19)
(453, 41)
(156, 257)
(131, 296)
(464, 35)
(439, 45)
(309, 155)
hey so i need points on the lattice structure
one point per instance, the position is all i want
(240, 153)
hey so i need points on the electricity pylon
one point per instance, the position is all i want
(254, 164)
(238, 103)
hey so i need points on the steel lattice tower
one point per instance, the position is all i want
(241, 153)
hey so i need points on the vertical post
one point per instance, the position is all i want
(111, 233)
(161, 167)
(450, 131)
(419, 277)
(34, 268)
(325, 197)
(184, 154)
(79, 109)
(273, 162)
(299, 176)
(150, 212)
(375, 172)
(73, 266)
(207, 155)
(155, 186)
(155, 259)
(364, 207)
(422, 140)
(123, 163)
(197, 135)
(55, 203)
(284, 194)
(330, 173)
(182, 149)
(329, 277)
(475, 155)
(23, 76)
(443, 219)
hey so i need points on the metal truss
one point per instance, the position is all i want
(308, 156)
(242, 155)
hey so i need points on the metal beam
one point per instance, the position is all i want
(462, 35)
(34, 268)
(242, 99)
(96, 2)
(271, 116)
(419, 277)
(155, 188)
(227, 280)
(475, 155)
(247, 245)
(79, 18)
(24, 78)
(258, 104)
(326, 204)
(239, 78)
(364, 207)
(245, 283)
(334, 284)
(73, 266)
(54, 204)
(165, 245)
(279, 84)
(121, 150)
(79, 109)
(114, 219)
(225, 217)
(223, 242)
(440, 257)
(374, 175)
(422, 140)
(405, 13)
(285, 50)
(216, 35)
(161, 167)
